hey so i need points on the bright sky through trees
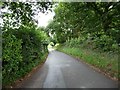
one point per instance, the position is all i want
(44, 19)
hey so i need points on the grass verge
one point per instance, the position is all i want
(105, 62)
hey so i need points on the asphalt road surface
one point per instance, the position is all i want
(63, 71)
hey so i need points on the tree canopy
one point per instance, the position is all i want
(97, 21)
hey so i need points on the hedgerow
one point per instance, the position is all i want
(23, 49)
(12, 58)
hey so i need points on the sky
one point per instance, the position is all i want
(44, 19)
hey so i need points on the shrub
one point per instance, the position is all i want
(102, 43)
(106, 43)
(23, 49)
(12, 57)
(75, 42)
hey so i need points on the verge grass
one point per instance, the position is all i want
(108, 63)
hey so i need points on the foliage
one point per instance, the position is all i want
(12, 58)
(23, 12)
(22, 50)
(104, 43)
(98, 23)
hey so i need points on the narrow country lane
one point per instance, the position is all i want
(63, 71)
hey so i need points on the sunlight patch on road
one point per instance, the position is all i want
(50, 48)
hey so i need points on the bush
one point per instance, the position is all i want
(33, 45)
(23, 49)
(75, 42)
(102, 43)
(12, 58)
(106, 43)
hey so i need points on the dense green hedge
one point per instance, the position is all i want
(23, 49)
(11, 58)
